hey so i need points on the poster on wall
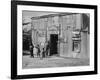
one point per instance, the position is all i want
(52, 39)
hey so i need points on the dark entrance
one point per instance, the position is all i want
(53, 44)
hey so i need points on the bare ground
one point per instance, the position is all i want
(53, 61)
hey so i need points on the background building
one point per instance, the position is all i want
(68, 33)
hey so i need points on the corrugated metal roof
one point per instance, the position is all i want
(52, 15)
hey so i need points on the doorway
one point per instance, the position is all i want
(53, 44)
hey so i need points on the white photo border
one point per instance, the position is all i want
(21, 71)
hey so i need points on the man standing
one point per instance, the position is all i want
(38, 51)
(47, 48)
(31, 50)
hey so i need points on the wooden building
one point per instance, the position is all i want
(67, 33)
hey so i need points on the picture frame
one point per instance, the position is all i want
(17, 7)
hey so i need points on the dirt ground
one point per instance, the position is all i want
(53, 61)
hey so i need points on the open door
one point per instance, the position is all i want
(53, 44)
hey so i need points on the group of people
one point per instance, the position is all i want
(40, 50)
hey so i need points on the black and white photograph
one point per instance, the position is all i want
(53, 39)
